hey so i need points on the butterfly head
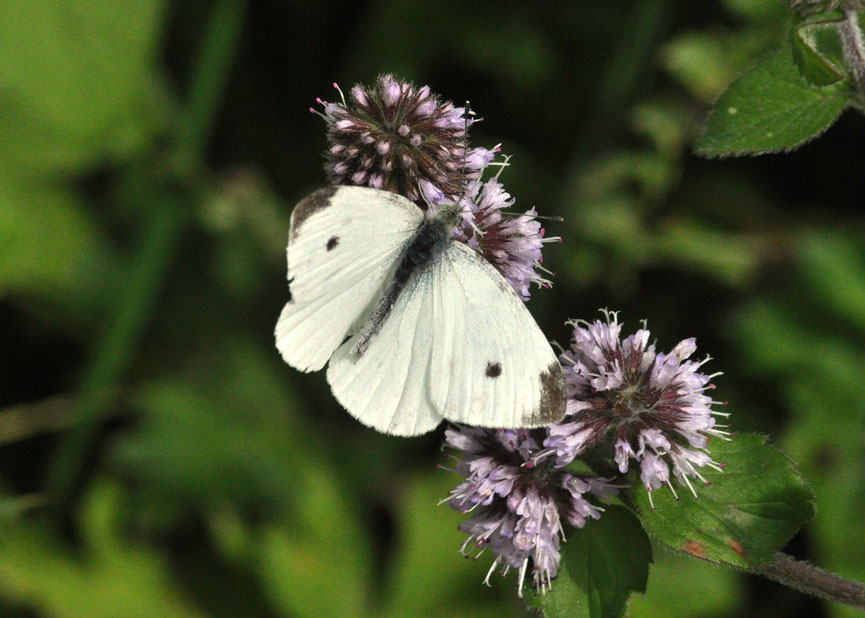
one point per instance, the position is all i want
(451, 215)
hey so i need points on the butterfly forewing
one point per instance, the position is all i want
(344, 243)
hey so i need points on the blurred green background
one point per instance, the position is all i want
(157, 458)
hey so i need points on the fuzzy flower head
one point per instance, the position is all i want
(650, 406)
(518, 508)
(401, 138)
(511, 243)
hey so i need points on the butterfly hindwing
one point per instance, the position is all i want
(344, 243)
(458, 344)
(491, 364)
(387, 386)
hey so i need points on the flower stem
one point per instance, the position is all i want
(213, 61)
(812, 580)
(165, 213)
(854, 48)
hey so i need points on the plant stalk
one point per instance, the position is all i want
(853, 45)
(815, 581)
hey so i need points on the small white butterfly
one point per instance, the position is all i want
(434, 330)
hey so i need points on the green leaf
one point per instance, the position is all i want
(602, 564)
(49, 244)
(750, 510)
(770, 109)
(821, 390)
(815, 66)
(711, 592)
(85, 88)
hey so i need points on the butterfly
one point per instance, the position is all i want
(418, 327)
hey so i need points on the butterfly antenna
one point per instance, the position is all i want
(477, 230)
(468, 114)
(461, 200)
(555, 218)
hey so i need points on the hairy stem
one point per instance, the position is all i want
(812, 580)
(854, 48)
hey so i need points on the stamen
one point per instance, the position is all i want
(521, 577)
(341, 96)
(688, 483)
(490, 573)
(700, 476)
(675, 495)
(716, 466)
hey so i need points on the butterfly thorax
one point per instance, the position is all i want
(431, 237)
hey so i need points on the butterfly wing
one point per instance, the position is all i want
(458, 344)
(344, 243)
(387, 386)
(491, 364)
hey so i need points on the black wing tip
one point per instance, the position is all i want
(553, 396)
(312, 203)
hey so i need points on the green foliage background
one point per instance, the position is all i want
(157, 458)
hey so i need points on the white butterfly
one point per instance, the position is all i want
(434, 330)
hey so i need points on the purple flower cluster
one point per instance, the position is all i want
(405, 139)
(652, 407)
(510, 243)
(627, 401)
(518, 506)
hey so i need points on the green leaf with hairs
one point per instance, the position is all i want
(602, 564)
(747, 513)
(771, 108)
(818, 60)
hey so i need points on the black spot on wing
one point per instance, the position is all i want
(553, 394)
(312, 203)
(494, 370)
(332, 243)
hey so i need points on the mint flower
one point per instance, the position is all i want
(510, 243)
(401, 138)
(404, 139)
(652, 407)
(517, 507)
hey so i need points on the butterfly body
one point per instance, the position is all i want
(416, 325)
(432, 236)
